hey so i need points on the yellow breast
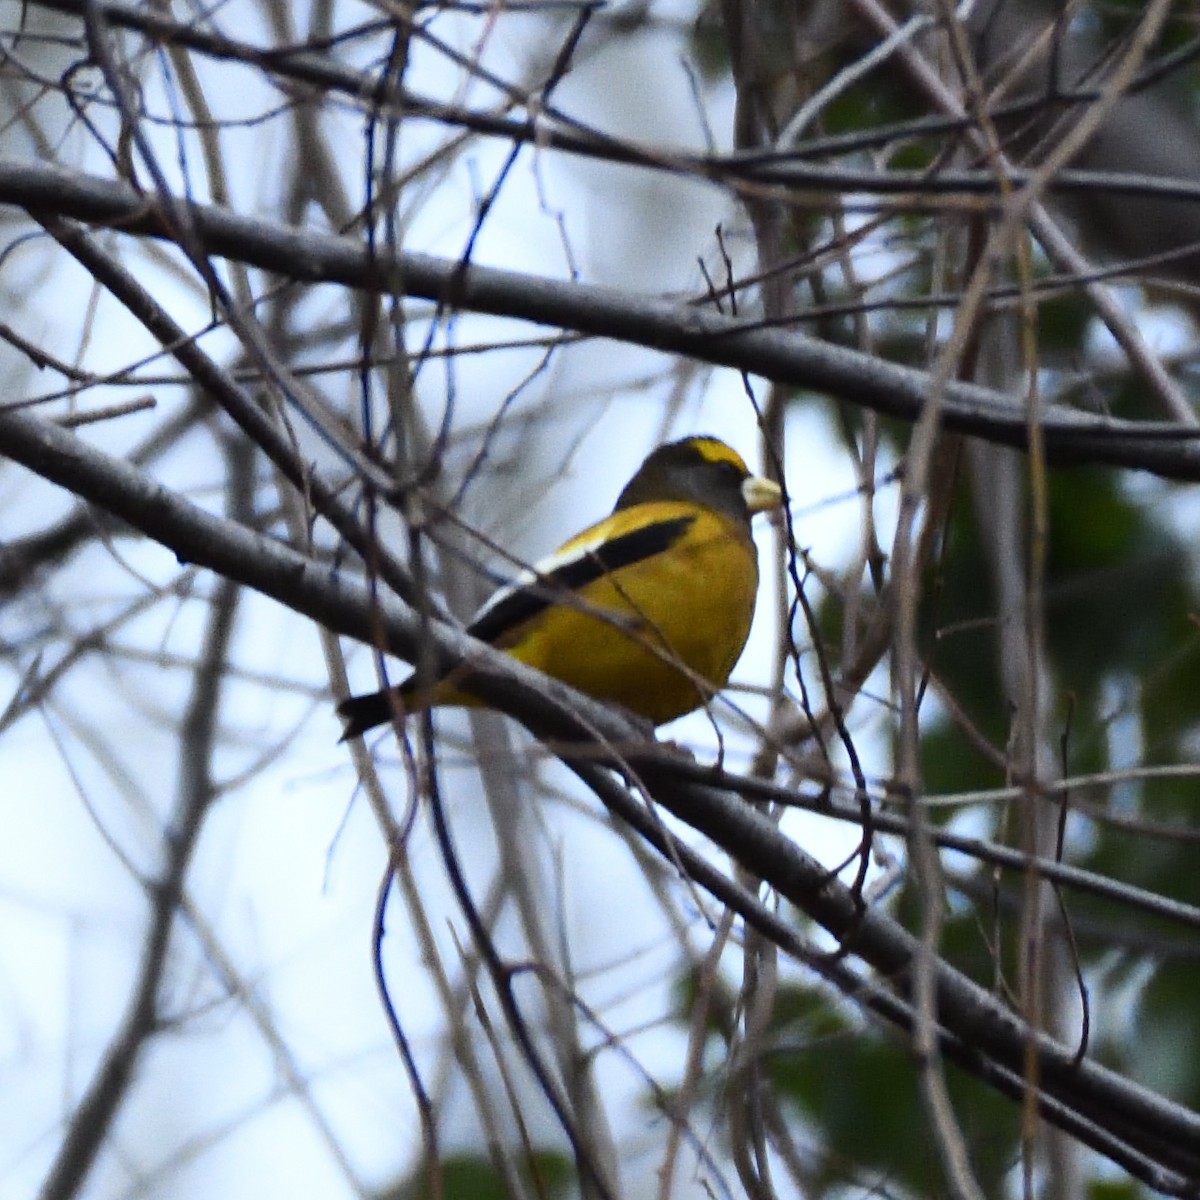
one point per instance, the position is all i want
(659, 636)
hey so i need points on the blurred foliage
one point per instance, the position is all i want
(1121, 626)
(854, 1088)
(1120, 605)
(1121, 599)
(547, 1174)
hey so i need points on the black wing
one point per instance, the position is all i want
(526, 601)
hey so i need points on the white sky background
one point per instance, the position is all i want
(288, 867)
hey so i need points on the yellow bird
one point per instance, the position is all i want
(649, 608)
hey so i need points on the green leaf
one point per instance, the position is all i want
(466, 1176)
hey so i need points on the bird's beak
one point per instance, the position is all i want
(761, 495)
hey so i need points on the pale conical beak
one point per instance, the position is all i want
(761, 495)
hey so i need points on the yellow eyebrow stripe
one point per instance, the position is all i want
(713, 450)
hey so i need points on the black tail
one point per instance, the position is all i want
(361, 713)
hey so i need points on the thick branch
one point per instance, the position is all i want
(1070, 438)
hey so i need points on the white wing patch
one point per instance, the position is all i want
(573, 551)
